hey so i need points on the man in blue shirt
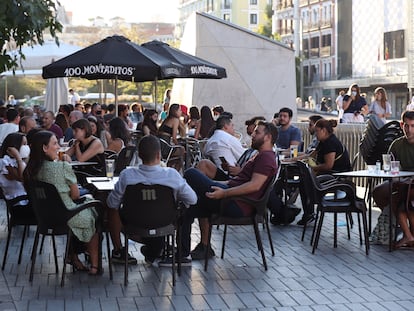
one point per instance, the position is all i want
(288, 134)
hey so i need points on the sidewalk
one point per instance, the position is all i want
(333, 279)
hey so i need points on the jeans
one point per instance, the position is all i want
(205, 207)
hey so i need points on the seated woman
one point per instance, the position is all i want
(331, 154)
(44, 166)
(169, 131)
(87, 148)
(98, 130)
(206, 124)
(13, 150)
(149, 125)
(194, 121)
(119, 135)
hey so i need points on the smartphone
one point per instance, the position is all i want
(223, 160)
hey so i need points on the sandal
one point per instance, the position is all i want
(95, 271)
(77, 264)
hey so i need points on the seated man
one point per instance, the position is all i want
(223, 143)
(252, 181)
(403, 150)
(149, 172)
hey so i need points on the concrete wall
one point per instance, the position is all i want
(260, 72)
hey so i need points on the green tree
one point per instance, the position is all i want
(266, 29)
(24, 21)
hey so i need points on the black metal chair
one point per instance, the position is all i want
(149, 211)
(172, 155)
(335, 196)
(18, 215)
(260, 215)
(124, 158)
(52, 217)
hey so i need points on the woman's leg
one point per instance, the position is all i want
(93, 250)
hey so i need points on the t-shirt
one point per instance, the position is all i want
(355, 105)
(403, 152)
(263, 163)
(332, 144)
(284, 137)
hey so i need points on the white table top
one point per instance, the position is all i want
(79, 163)
(380, 174)
(103, 183)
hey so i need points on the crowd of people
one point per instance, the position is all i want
(30, 140)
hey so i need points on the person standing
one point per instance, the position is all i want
(354, 105)
(380, 106)
(339, 104)
(74, 97)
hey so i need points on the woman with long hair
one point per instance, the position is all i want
(12, 154)
(149, 125)
(119, 135)
(332, 155)
(354, 105)
(87, 148)
(194, 121)
(44, 166)
(380, 106)
(170, 128)
(206, 123)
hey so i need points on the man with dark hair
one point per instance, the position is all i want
(403, 150)
(252, 181)
(223, 143)
(288, 134)
(149, 172)
(12, 125)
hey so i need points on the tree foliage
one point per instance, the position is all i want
(23, 22)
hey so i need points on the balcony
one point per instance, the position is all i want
(283, 5)
(325, 51)
(326, 23)
(303, 2)
(314, 52)
(285, 31)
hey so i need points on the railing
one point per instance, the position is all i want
(350, 135)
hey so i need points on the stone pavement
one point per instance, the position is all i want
(333, 279)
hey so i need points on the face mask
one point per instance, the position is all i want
(215, 117)
(354, 93)
(24, 151)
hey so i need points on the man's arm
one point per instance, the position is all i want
(251, 186)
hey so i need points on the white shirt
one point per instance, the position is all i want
(11, 188)
(222, 144)
(6, 129)
(74, 99)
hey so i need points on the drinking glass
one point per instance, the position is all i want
(110, 167)
(386, 162)
(395, 167)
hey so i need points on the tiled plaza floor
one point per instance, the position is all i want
(333, 279)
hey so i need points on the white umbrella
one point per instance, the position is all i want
(56, 93)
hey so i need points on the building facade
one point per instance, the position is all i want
(250, 14)
(341, 42)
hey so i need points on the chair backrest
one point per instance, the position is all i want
(147, 207)
(50, 211)
(124, 158)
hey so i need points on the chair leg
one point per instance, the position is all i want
(178, 243)
(41, 244)
(260, 244)
(224, 241)
(335, 230)
(108, 250)
(173, 259)
(210, 227)
(34, 253)
(303, 231)
(348, 224)
(126, 260)
(359, 229)
(55, 253)
(318, 232)
(22, 244)
(269, 236)
(7, 247)
(364, 222)
(65, 256)
(314, 227)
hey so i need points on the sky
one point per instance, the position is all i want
(131, 10)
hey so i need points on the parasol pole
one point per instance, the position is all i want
(116, 96)
(155, 91)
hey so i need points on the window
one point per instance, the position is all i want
(253, 2)
(227, 4)
(394, 44)
(226, 17)
(253, 19)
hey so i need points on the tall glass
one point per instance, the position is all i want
(110, 167)
(386, 163)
